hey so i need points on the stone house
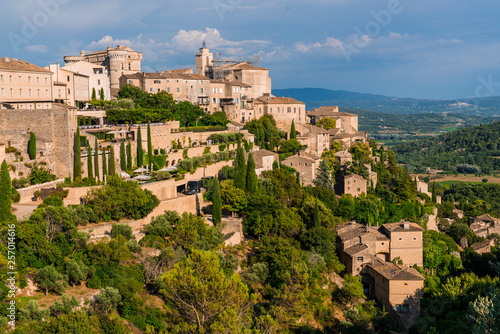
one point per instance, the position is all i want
(483, 247)
(98, 77)
(70, 88)
(355, 185)
(24, 85)
(305, 164)
(484, 225)
(264, 160)
(283, 109)
(343, 157)
(315, 138)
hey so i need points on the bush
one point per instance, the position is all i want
(83, 215)
(484, 180)
(53, 200)
(134, 246)
(121, 229)
(94, 282)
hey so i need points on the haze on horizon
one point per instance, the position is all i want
(403, 48)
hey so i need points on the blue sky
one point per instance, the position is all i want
(406, 48)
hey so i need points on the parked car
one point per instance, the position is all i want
(193, 187)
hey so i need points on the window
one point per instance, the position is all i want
(260, 110)
(359, 189)
(360, 258)
(46, 92)
(2, 91)
(157, 82)
(29, 79)
(295, 110)
(178, 90)
(1, 78)
(414, 238)
(99, 82)
(168, 81)
(19, 78)
(168, 89)
(405, 308)
(68, 78)
(46, 80)
(150, 90)
(159, 90)
(400, 239)
(29, 92)
(289, 109)
(11, 92)
(37, 79)
(271, 110)
(201, 82)
(186, 90)
(201, 90)
(129, 67)
(214, 90)
(176, 81)
(38, 92)
(214, 100)
(220, 90)
(20, 92)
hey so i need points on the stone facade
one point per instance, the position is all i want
(354, 185)
(56, 126)
(24, 85)
(264, 160)
(484, 225)
(305, 164)
(69, 87)
(283, 109)
(315, 138)
(98, 77)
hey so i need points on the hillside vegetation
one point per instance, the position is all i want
(471, 150)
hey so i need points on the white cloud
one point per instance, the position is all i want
(37, 48)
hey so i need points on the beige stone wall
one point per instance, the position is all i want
(258, 79)
(283, 114)
(57, 125)
(2, 152)
(306, 168)
(32, 89)
(407, 246)
(354, 186)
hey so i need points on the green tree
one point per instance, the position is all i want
(327, 123)
(49, 279)
(150, 148)
(106, 300)
(316, 220)
(205, 299)
(293, 133)
(102, 95)
(251, 175)
(90, 165)
(78, 322)
(434, 197)
(140, 152)
(32, 146)
(104, 163)
(96, 158)
(76, 272)
(123, 157)
(94, 97)
(240, 169)
(129, 156)
(323, 176)
(5, 193)
(121, 229)
(77, 167)
(233, 199)
(112, 162)
(216, 203)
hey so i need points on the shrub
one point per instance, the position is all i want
(121, 229)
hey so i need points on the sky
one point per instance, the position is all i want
(435, 49)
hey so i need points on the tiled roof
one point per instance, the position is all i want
(481, 245)
(343, 154)
(277, 100)
(299, 158)
(486, 218)
(246, 66)
(351, 230)
(20, 65)
(353, 176)
(353, 250)
(399, 227)
(395, 272)
(137, 76)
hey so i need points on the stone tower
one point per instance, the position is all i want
(204, 60)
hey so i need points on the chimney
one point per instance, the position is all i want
(406, 226)
(6, 59)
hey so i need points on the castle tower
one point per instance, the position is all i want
(117, 66)
(204, 60)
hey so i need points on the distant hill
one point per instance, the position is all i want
(472, 150)
(317, 97)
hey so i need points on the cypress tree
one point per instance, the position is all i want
(104, 164)
(293, 133)
(77, 167)
(216, 204)
(112, 167)
(139, 148)
(129, 156)
(251, 175)
(93, 95)
(5, 193)
(89, 163)
(32, 146)
(316, 221)
(102, 94)
(434, 197)
(96, 159)
(276, 165)
(240, 168)
(150, 148)
(123, 157)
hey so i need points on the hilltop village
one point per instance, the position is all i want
(209, 155)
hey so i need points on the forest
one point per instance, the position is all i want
(471, 151)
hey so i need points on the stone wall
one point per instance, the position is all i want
(27, 193)
(56, 126)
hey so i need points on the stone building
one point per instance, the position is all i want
(98, 77)
(359, 244)
(343, 157)
(484, 225)
(305, 164)
(283, 109)
(315, 139)
(118, 61)
(70, 88)
(264, 160)
(24, 85)
(398, 288)
(484, 246)
(355, 185)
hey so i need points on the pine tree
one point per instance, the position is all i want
(112, 167)
(123, 157)
(150, 148)
(89, 163)
(96, 159)
(323, 176)
(32, 146)
(5, 193)
(102, 94)
(293, 133)
(240, 168)
(104, 164)
(77, 167)
(316, 220)
(129, 156)
(216, 203)
(139, 148)
(251, 175)
(94, 97)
